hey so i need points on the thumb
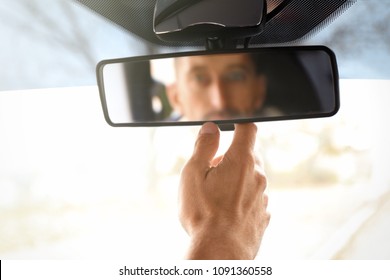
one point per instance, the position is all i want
(207, 144)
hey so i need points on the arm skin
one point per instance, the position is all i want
(221, 200)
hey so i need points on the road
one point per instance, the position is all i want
(372, 239)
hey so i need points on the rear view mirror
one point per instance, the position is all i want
(247, 85)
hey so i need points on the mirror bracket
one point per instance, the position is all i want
(217, 43)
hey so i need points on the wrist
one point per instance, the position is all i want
(219, 245)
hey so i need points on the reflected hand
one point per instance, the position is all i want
(222, 200)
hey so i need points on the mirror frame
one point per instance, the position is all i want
(224, 124)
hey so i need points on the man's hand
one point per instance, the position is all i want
(222, 200)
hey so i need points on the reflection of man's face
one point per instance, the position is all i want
(216, 87)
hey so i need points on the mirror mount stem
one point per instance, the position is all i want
(218, 43)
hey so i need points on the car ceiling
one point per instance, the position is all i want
(286, 20)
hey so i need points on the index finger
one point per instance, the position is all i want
(244, 139)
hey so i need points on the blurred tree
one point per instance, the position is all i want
(56, 44)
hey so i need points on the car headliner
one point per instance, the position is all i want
(285, 21)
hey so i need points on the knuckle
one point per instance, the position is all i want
(259, 161)
(260, 181)
(192, 165)
(187, 169)
(247, 160)
(267, 218)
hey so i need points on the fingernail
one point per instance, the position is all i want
(209, 128)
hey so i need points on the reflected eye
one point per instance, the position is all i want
(201, 78)
(236, 76)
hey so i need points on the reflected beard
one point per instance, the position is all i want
(223, 115)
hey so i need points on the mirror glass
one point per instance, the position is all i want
(225, 87)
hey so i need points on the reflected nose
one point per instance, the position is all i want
(218, 98)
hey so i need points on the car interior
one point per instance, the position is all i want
(93, 136)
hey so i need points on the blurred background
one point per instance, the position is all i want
(73, 187)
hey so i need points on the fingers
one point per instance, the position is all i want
(216, 161)
(242, 145)
(265, 200)
(207, 144)
(267, 215)
(244, 139)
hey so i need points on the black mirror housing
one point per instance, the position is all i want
(189, 20)
(255, 85)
